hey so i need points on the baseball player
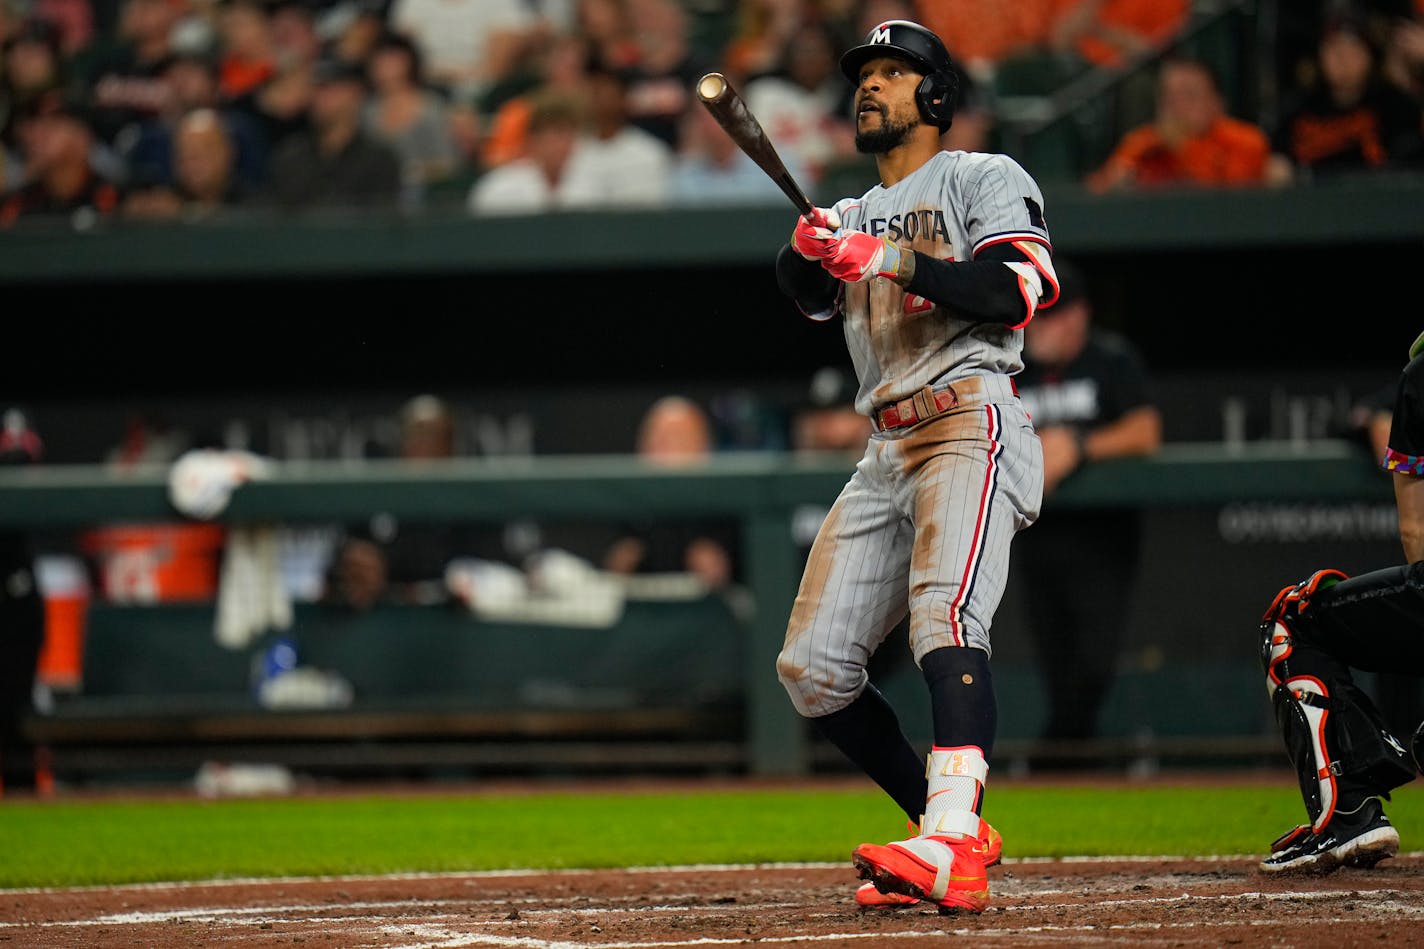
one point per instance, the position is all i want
(935, 271)
(1313, 633)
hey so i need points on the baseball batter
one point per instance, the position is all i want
(935, 272)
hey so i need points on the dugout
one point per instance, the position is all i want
(685, 685)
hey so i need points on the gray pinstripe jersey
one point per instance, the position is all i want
(952, 207)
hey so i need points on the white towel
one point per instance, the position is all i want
(252, 593)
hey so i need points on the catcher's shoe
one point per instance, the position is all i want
(1359, 839)
(946, 871)
(990, 839)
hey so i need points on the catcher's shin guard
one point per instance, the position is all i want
(1333, 733)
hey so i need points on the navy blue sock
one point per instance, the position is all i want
(962, 699)
(868, 733)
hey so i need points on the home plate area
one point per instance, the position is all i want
(1142, 902)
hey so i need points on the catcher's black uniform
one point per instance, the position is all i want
(1313, 634)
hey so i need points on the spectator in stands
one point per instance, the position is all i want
(126, 84)
(1191, 141)
(616, 164)
(335, 162)
(660, 83)
(31, 67)
(1349, 119)
(205, 182)
(247, 60)
(1088, 392)
(73, 21)
(22, 620)
(535, 181)
(293, 28)
(407, 115)
(280, 102)
(560, 65)
(804, 103)
(64, 173)
(282, 106)
(607, 25)
(467, 45)
(1110, 34)
(984, 34)
(12, 17)
(192, 80)
(352, 29)
(1403, 60)
(676, 432)
(759, 40)
(710, 169)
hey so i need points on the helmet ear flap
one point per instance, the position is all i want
(935, 97)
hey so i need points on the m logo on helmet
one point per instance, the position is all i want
(881, 34)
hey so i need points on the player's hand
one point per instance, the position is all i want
(1062, 454)
(858, 256)
(815, 234)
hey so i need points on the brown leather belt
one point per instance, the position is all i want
(925, 404)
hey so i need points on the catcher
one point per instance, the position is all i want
(1313, 634)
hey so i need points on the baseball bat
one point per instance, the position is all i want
(731, 112)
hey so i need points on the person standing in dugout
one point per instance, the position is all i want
(22, 621)
(1312, 635)
(935, 272)
(1088, 392)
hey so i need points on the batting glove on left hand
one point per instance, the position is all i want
(858, 256)
(815, 235)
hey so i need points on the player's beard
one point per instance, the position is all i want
(890, 134)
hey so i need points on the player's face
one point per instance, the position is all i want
(885, 109)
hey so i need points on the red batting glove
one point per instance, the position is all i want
(857, 256)
(815, 234)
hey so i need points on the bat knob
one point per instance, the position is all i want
(711, 86)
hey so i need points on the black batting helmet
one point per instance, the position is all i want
(923, 50)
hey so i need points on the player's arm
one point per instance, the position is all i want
(1409, 498)
(1004, 283)
(1404, 453)
(805, 281)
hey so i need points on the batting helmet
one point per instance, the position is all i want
(923, 50)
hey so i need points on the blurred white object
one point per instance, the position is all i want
(486, 584)
(252, 592)
(201, 481)
(305, 687)
(664, 586)
(555, 588)
(219, 779)
(305, 554)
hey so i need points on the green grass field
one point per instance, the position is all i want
(64, 842)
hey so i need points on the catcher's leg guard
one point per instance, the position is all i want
(1334, 735)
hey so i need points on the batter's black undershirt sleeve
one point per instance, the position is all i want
(981, 290)
(805, 281)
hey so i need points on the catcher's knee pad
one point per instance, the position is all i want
(1333, 733)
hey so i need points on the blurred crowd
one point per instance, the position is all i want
(186, 109)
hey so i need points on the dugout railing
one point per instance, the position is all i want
(763, 492)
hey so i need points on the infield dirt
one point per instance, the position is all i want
(1139, 902)
(1142, 902)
